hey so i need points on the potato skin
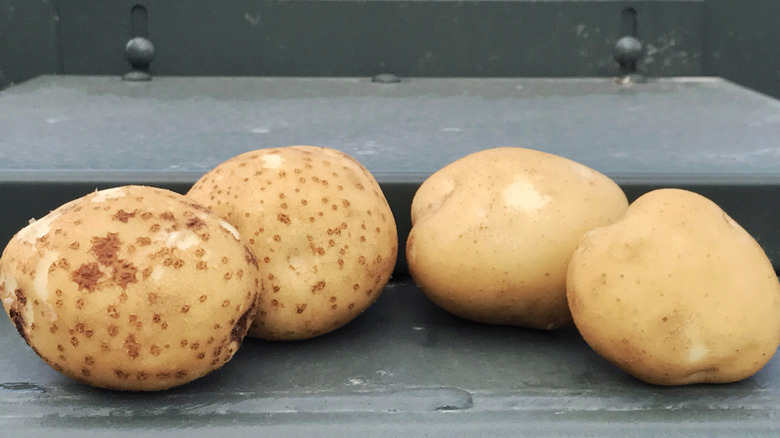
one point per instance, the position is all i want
(131, 288)
(493, 233)
(676, 293)
(321, 228)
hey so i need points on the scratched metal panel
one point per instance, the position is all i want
(66, 135)
(363, 38)
(403, 368)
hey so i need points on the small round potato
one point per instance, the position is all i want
(676, 293)
(493, 233)
(131, 288)
(321, 228)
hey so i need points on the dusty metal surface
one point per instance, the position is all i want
(668, 126)
(403, 367)
(65, 136)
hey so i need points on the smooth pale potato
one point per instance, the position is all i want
(493, 233)
(131, 288)
(676, 293)
(321, 228)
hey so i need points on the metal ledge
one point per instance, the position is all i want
(65, 136)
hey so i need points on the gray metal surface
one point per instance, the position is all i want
(404, 367)
(692, 126)
(65, 136)
(726, 38)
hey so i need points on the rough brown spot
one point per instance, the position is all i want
(195, 223)
(241, 326)
(113, 330)
(87, 276)
(124, 273)
(283, 218)
(168, 216)
(250, 257)
(121, 374)
(123, 216)
(132, 346)
(18, 321)
(20, 297)
(318, 287)
(106, 248)
(300, 307)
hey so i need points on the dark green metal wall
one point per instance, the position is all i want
(735, 39)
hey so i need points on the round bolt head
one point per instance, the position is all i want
(386, 78)
(139, 51)
(628, 49)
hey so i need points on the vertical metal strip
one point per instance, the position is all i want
(59, 50)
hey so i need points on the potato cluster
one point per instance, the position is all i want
(139, 288)
(670, 289)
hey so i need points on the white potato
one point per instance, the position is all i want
(493, 233)
(676, 293)
(131, 288)
(321, 228)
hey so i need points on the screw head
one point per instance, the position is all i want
(386, 78)
(139, 51)
(628, 49)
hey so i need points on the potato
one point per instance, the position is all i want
(676, 293)
(321, 228)
(493, 233)
(131, 288)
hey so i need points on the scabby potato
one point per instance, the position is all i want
(321, 228)
(676, 293)
(493, 233)
(131, 288)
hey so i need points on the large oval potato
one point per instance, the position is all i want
(321, 228)
(131, 288)
(493, 233)
(676, 293)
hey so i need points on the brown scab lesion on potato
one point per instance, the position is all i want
(106, 248)
(123, 216)
(87, 276)
(18, 321)
(132, 347)
(195, 223)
